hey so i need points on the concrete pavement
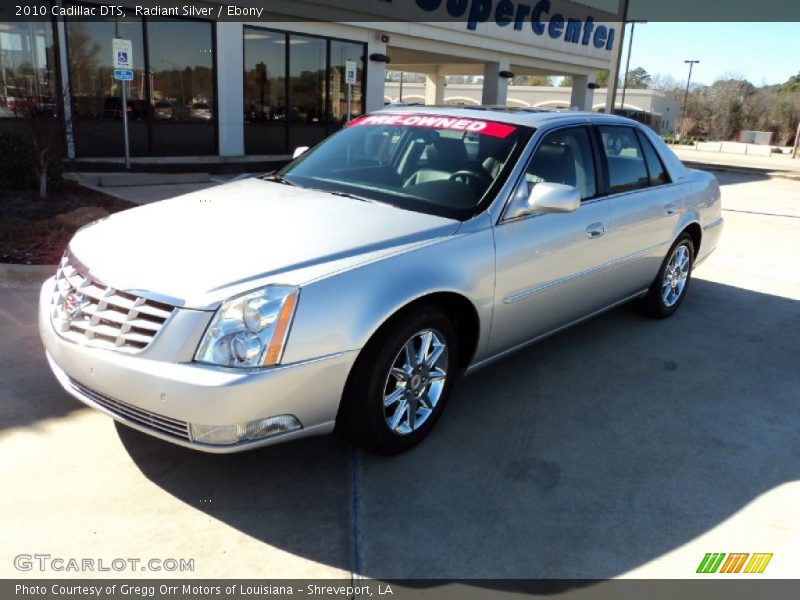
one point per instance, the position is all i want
(779, 164)
(144, 188)
(624, 447)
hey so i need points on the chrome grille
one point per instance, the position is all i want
(160, 423)
(86, 311)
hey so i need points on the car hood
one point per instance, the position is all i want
(201, 248)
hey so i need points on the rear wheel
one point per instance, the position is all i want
(401, 382)
(669, 288)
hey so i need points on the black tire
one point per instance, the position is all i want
(362, 412)
(653, 304)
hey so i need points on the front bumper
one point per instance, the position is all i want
(156, 396)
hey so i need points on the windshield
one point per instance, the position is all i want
(447, 166)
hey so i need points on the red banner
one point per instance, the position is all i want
(498, 130)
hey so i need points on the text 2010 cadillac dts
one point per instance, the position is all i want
(355, 285)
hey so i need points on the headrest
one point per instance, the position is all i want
(446, 152)
(554, 163)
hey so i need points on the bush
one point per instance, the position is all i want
(777, 151)
(687, 141)
(17, 162)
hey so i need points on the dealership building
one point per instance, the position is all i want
(651, 107)
(206, 84)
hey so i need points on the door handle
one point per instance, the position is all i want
(595, 230)
(670, 210)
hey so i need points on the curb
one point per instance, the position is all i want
(24, 276)
(104, 180)
(734, 169)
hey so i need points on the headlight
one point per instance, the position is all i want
(250, 330)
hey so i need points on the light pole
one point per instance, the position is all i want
(628, 63)
(400, 99)
(691, 64)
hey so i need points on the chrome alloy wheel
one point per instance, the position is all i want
(675, 276)
(415, 381)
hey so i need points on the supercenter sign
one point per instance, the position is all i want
(538, 18)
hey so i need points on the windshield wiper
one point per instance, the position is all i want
(348, 195)
(278, 179)
(281, 179)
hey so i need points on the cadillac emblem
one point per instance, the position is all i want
(73, 306)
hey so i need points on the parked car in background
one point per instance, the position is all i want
(112, 107)
(353, 287)
(15, 98)
(163, 111)
(401, 104)
(201, 111)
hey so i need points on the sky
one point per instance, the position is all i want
(764, 53)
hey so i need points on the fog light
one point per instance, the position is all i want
(223, 435)
(215, 434)
(255, 430)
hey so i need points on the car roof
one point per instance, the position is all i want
(530, 117)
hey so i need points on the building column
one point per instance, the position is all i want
(616, 57)
(376, 74)
(495, 88)
(582, 96)
(61, 40)
(230, 100)
(434, 89)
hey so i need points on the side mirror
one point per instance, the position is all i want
(545, 197)
(298, 151)
(554, 198)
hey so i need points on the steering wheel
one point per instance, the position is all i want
(470, 177)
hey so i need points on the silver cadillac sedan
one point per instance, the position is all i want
(352, 288)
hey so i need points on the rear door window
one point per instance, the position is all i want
(627, 169)
(658, 174)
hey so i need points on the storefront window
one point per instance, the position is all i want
(341, 52)
(306, 113)
(182, 97)
(27, 69)
(264, 91)
(296, 100)
(97, 96)
(171, 100)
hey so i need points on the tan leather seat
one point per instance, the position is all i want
(444, 157)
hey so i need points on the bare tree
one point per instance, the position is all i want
(684, 126)
(784, 114)
(467, 79)
(41, 123)
(667, 84)
(535, 80)
(721, 110)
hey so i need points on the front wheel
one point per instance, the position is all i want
(401, 382)
(669, 288)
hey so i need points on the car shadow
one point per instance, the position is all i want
(29, 392)
(585, 456)
(731, 175)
